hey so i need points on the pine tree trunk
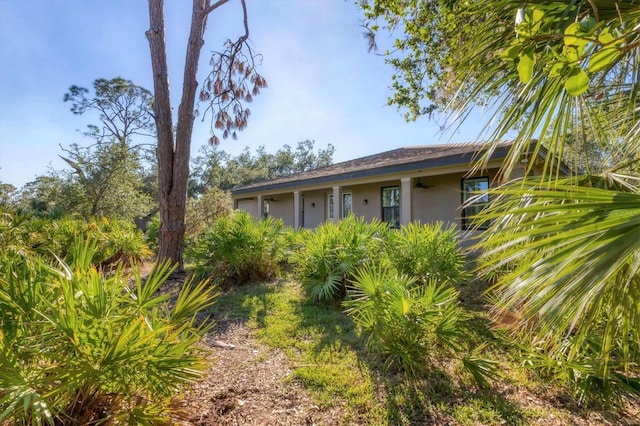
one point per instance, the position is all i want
(173, 158)
(171, 214)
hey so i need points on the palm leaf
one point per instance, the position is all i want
(586, 262)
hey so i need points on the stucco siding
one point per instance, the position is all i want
(282, 208)
(315, 208)
(250, 206)
(439, 200)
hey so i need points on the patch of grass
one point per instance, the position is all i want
(330, 359)
(322, 343)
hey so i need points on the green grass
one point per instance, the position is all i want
(330, 360)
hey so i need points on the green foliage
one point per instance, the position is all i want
(117, 240)
(203, 211)
(579, 364)
(214, 168)
(29, 235)
(107, 180)
(332, 252)
(328, 355)
(124, 109)
(427, 252)
(581, 302)
(7, 194)
(428, 36)
(152, 234)
(563, 252)
(405, 319)
(46, 196)
(239, 249)
(80, 347)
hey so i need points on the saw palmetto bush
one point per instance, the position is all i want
(239, 249)
(117, 240)
(79, 347)
(410, 323)
(332, 252)
(562, 79)
(426, 252)
(581, 300)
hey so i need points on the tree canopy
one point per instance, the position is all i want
(216, 168)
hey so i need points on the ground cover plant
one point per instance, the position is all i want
(331, 253)
(82, 347)
(239, 249)
(350, 385)
(116, 240)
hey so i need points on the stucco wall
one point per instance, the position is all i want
(282, 208)
(441, 198)
(250, 206)
(435, 198)
(315, 208)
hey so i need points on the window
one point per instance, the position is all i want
(329, 206)
(391, 206)
(474, 199)
(347, 205)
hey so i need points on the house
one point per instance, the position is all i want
(422, 183)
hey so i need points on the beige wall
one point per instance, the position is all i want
(282, 208)
(250, 205)
(315, 208)
(438, 200)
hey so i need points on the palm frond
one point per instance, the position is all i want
(577, 249)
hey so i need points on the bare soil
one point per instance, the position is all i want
(247, 385)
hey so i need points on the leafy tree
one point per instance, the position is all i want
(7, 192)
(565, 70)
(202, 212)
(108, 177)
(217, 168)
(124, 109)
(429, 33)
(46, 195)
(107, 180)
(232, 81)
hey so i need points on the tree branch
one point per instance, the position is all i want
(214, 6)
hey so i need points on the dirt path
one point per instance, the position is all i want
(246, 385)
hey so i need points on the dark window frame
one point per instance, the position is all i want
(467, 217)
(394, 209)
(344, 212)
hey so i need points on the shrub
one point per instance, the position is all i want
(239, 249)
(426, 252)
(22, 234)
(81, 348)
(117, 240)
(202, 212)
(404, 318)
(152, 234)
(331, 254)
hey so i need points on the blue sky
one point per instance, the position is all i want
(323, 84)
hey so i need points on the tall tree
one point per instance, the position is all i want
(108, 174)
(107, 180)
(124, 109)
(7, 193)
(232, 81)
